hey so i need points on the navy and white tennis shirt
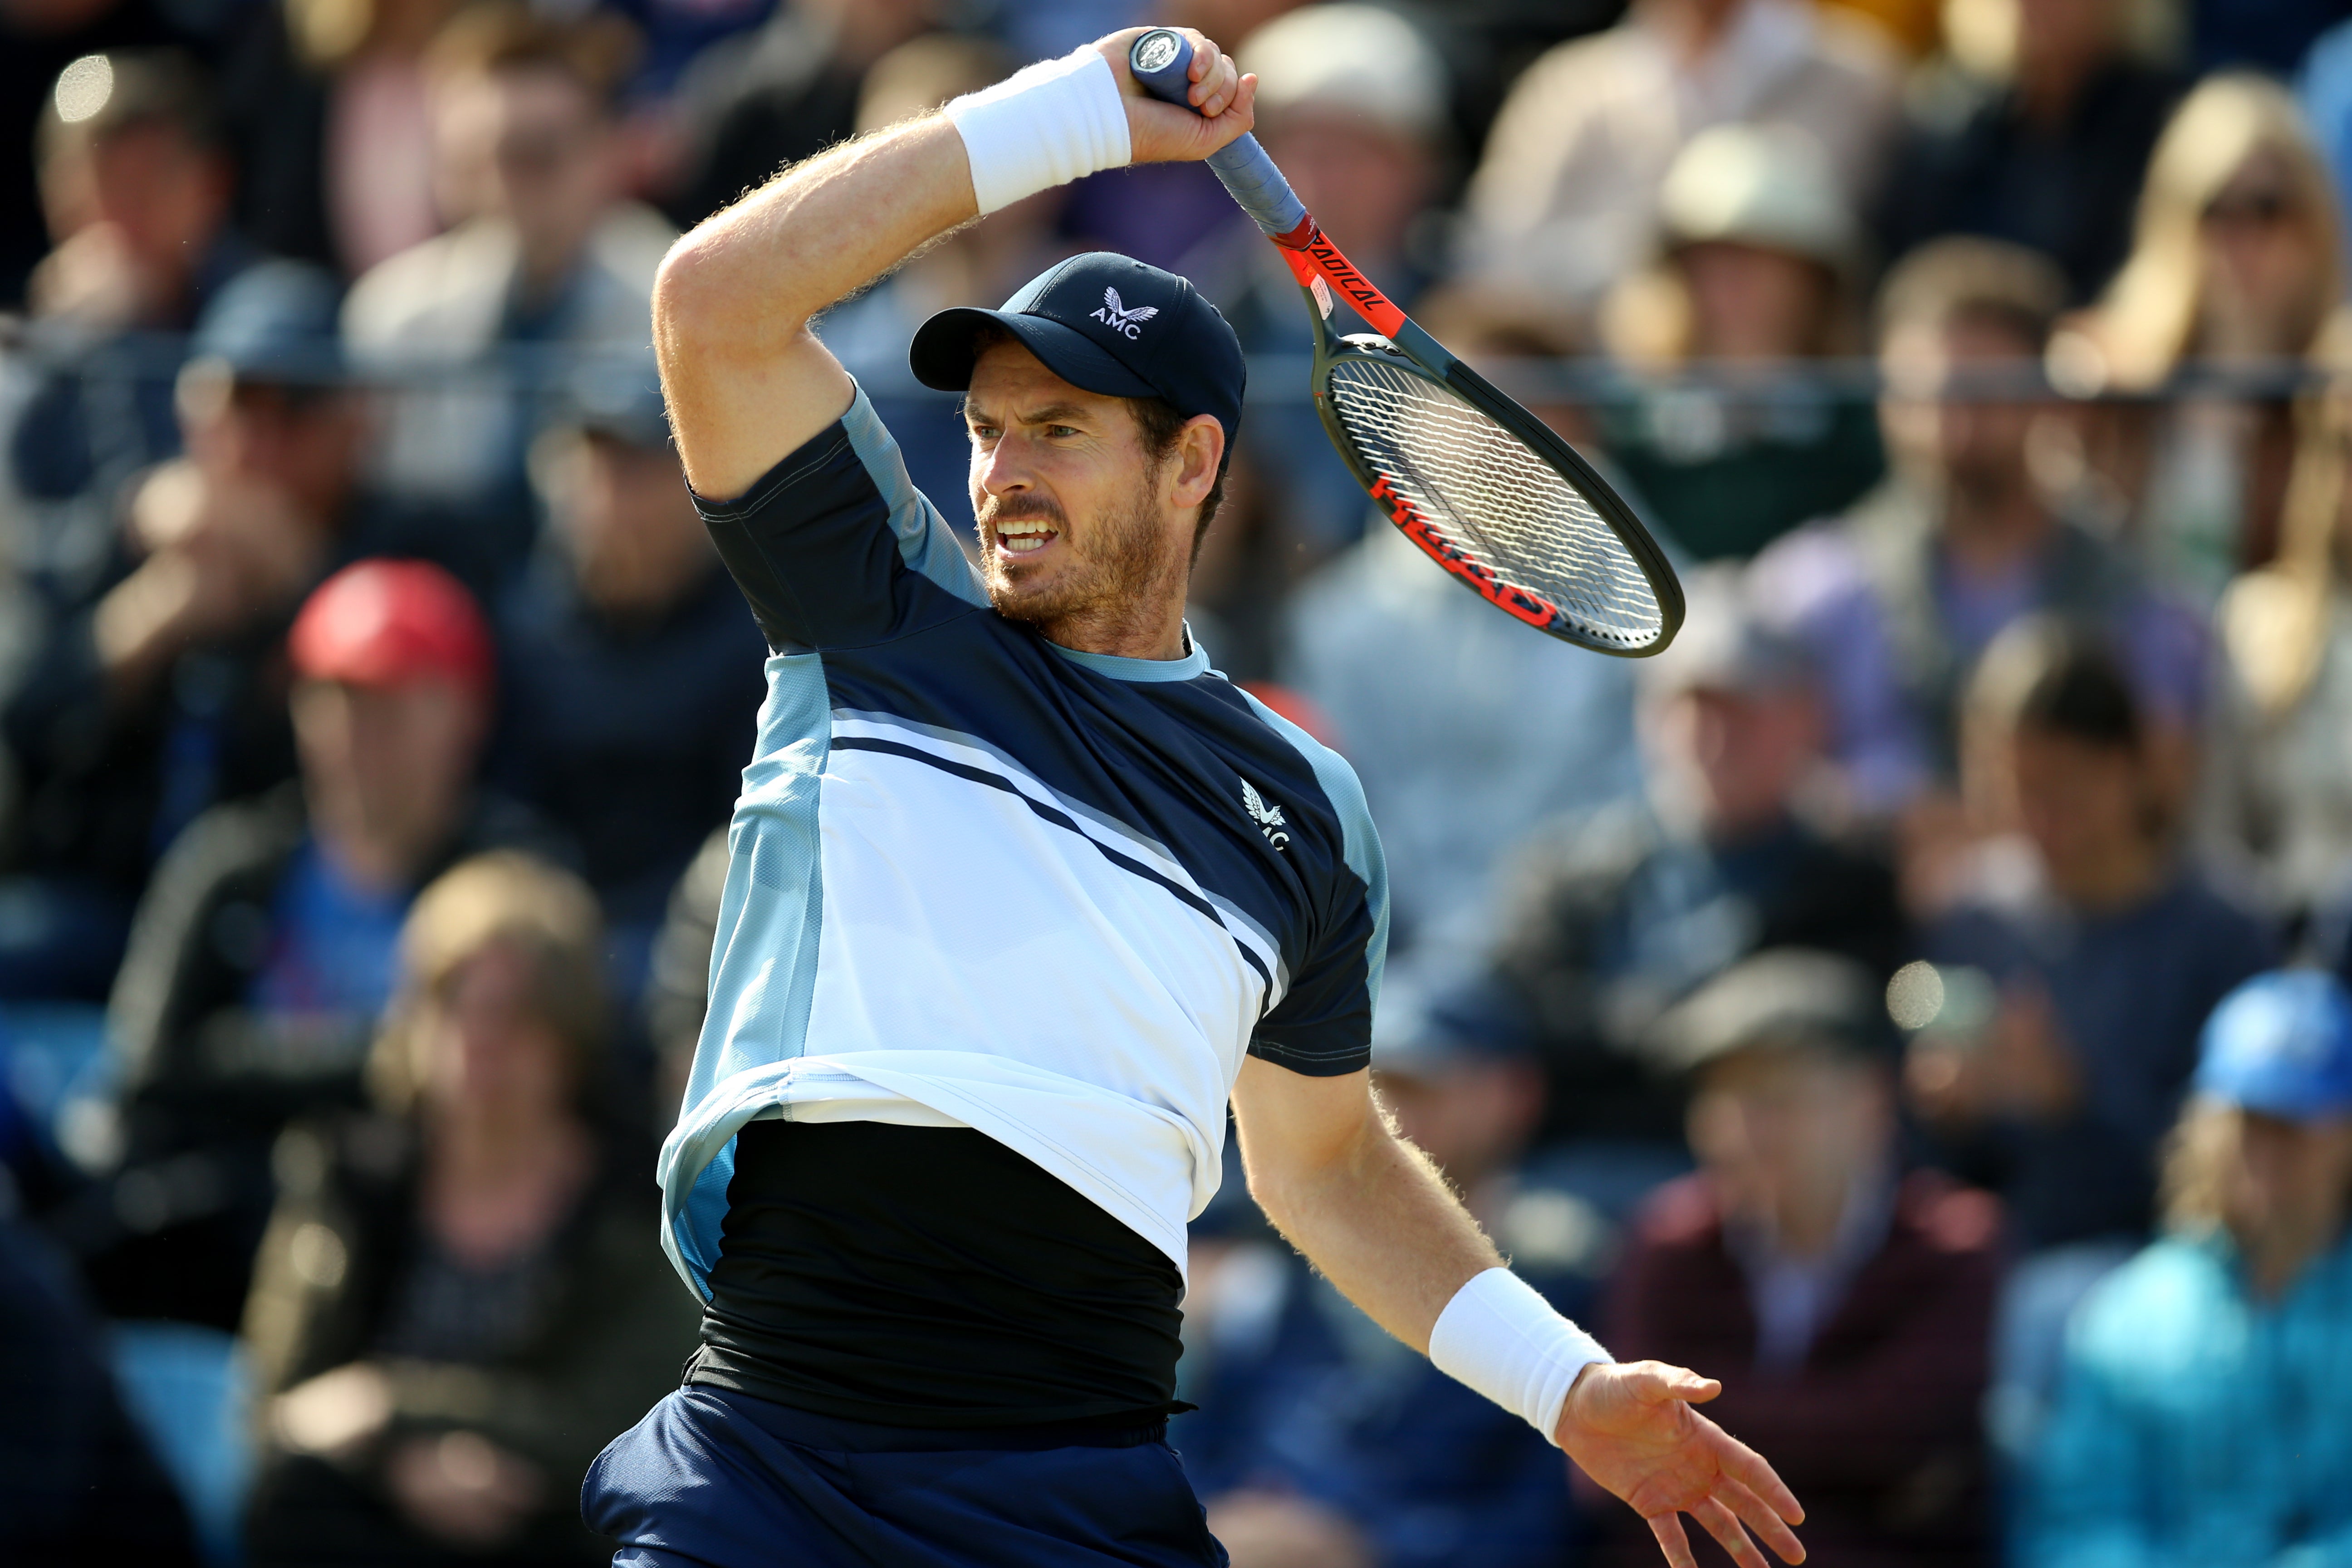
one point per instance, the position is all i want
(979, 879)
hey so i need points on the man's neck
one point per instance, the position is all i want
(1118, 636)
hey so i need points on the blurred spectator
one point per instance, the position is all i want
(2236, 262)
(1468, 730)
(2277, 776)
(632, 673)
(1619, 915)
(1899, 599)
(548, 256)
(265, 951)
(2082, 961)
(457, 1303)
(978, 264)
(2205, 1411)
(2108, 949)
(167, 691)
(136, 188)
(329, 109)
(1846, 1307)
(1353, 103)
(38, 40)
(1757, 276)
(1566, 200)
(1323, 1443)
(2041, 142)
(756, 103)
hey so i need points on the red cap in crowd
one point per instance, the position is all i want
(387, 622)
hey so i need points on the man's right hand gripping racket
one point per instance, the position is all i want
(1487, 489)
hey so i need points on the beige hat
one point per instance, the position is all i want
(1359, 60)
(1769, 186)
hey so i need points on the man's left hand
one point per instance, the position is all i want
(1631, 1429)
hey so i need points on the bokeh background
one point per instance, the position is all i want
(1818, 1004)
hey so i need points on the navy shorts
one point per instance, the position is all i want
(711, 1478)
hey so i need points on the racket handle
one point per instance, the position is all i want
(1248, 173)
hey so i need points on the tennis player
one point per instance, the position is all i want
(1022, 893)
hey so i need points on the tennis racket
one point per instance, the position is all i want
(1489, 491)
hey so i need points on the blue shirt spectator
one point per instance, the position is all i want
(2205, 1411)
(2104, 950)
(1899, 599)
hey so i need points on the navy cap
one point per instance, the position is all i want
(1109, 325)
(274, 321)
(2281, 1044)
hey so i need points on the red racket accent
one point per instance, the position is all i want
(1509, 597)
(1317, 257)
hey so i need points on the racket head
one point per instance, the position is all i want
(1494, 495)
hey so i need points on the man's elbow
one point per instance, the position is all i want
(689, 301)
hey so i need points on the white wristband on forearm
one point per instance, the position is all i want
(1042, 126)
(1505, 1340)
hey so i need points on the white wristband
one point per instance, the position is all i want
(1042, 126)
(1505, 1340)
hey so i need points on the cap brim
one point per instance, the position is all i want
(941, 353)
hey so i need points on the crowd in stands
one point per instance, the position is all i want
(1917, 997)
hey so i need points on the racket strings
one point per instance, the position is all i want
(1485, 492)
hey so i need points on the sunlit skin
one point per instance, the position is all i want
(530, 144)
(1783, 1135)
(1109, 567)
(2265, 263)
(1731, 760)
(2089, 811)
(2286, 1192)
(626, 521)
(386, 770)
(1970, 451)
(1751, 302)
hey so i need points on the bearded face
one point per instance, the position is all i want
(1078, 534)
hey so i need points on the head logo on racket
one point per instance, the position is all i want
(1269, 818)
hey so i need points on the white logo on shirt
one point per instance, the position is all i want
(1267, 818)
(1118, 318)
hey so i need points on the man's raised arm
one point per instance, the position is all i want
(746, 379)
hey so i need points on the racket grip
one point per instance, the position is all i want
(1249, 175)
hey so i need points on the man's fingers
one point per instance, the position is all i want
(1746, 1466)
(1668, 1529)
(1654, 1382)
(1223, 82)
(1724, 1525)
(1768, 1526)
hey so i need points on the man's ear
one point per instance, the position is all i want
(1200, 448)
